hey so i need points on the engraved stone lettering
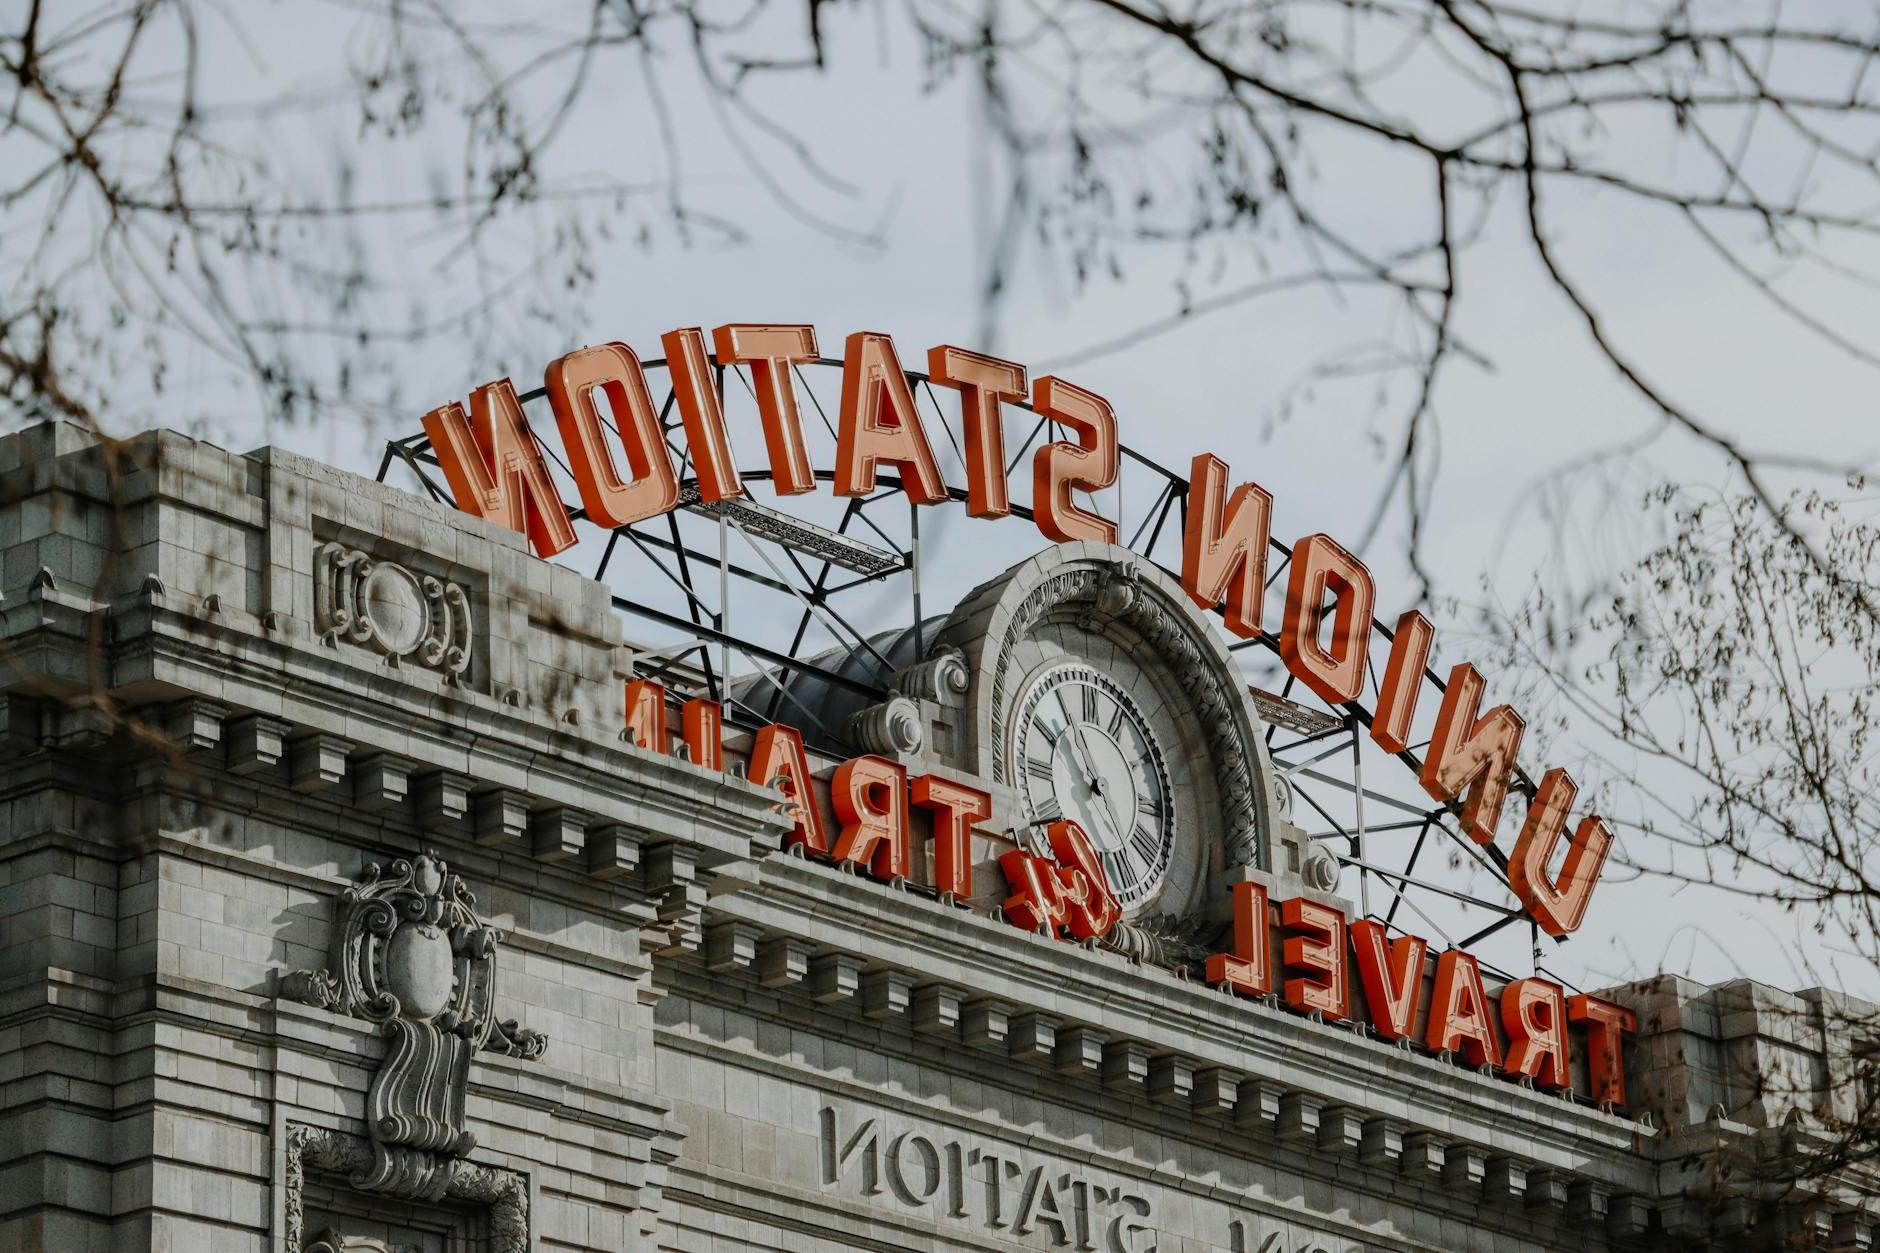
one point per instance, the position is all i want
(837, 1154)
(928, 1170)
(994, 1189)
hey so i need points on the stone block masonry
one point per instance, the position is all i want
(336, 913)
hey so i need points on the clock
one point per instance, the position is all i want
(1084, 684)
(1083, 749)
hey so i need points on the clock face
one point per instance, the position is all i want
(1082, 749)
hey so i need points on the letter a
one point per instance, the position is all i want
(879, 425)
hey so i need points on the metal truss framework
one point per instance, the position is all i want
(725, 599)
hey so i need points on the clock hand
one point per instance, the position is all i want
(1091, 778)
(1095, 783)
(1080, 758)
(1116, 824)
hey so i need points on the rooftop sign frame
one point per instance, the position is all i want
(878, 470)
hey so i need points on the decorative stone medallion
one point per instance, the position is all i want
(410, 955)
(386, 607)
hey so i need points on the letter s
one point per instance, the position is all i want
(1123, 1228)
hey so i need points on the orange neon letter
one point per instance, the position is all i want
(1060, 467)
(1472, 754)
(984, 383)
(1224, 544)
(646, 715)
(956, 807)
(1534, 1013)
(1558, 905)
(1091, 907)
(1318, 956)
(1073, 893)
(704, 723)
(610, 500)
(1403, 682)
(869, 795)
(777, 757)
(1391, 973)
(1247, 970)
(771, 352)
(1459, 1011)
(702, 410)
(1606, 1026)
(1037, 899)
(879, 423)
(495, 469)
(1320, 566)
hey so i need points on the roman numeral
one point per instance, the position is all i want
(1147, 804)
(1046, 810)
(1115, 725)
(1039, 769)
(1087, 699)
(1143, 840)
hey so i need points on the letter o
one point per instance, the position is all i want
(929, 1167)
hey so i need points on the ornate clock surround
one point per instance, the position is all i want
(1114, 600)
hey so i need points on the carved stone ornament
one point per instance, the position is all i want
(942, 677)
(1282, 797)
(894, 726)
(312, 987)
(1320, 869)
(331, 1241)
(384, 606)
(410, 955)
(502, 1194)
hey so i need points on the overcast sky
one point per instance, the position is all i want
(1231, 383)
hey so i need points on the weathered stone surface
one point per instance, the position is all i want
(688, 1041)
(199, 886)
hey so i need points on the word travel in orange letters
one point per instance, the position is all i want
(1327, 967)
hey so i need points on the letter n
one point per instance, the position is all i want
(837, 1155)
(495, 469)
(1473, 755)
(1224, 545)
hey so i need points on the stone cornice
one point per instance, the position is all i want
(467, 732)
(1429, 1195)
(827, 911)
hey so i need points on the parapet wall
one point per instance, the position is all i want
(1747, 1053)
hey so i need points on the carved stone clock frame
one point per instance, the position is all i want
(1101, 605)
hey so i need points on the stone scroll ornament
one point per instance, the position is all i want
(410, 954)
(388, 608)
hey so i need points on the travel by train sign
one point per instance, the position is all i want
(1303, 952)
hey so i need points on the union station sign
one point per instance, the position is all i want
(430, 895)
(1079, 747)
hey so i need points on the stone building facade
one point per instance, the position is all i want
(338, 912)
